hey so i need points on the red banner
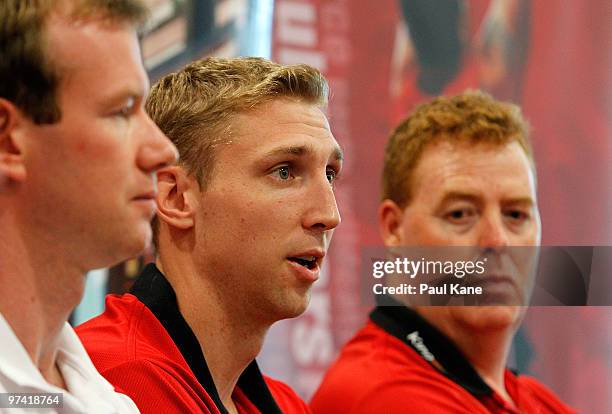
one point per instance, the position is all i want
(553, 58)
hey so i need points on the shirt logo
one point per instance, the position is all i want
(417, 342)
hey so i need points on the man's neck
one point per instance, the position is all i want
(229, 338)
(38, 295)
(488, 354)
(486, 349)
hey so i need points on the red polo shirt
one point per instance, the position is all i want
(399, 363)
(143, 346)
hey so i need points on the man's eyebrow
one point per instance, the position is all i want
(118, 97)
(338, 154)
(301, 150)
(129, 89)
(460, 195)
(520, 200)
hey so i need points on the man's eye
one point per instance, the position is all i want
(125, 112)
(283, 173)
(331, 175)
(128, 109)
(517, 215)
(460, 215)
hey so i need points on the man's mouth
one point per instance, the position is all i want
(146, 196)
(309, 262)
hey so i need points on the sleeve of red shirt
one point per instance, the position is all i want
(288, 401)
(154, 390)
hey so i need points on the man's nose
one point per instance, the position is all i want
(157, 151)
(493, 232)
(321, 211)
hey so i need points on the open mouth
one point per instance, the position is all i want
(309, 262)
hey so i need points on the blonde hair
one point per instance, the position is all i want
(195, 105)
(473, 117)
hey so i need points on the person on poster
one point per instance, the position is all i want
(458, 172)
(78, 155)
(244, 223)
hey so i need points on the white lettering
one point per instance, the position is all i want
(416, 341)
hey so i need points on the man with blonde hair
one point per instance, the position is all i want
(458, 172)
(78, 155)
(244, 222)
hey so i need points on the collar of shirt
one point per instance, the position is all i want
(438, 350)
(88, 391)
(152, 289)
(432, 345)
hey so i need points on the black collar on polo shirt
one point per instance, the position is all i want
(432, 345)
(152, 289)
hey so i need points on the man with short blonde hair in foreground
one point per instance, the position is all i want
(244, 222)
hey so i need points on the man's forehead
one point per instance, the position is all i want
(77, 49)
(453, 158)
(284, 126)
(280, 112)
(448, 169)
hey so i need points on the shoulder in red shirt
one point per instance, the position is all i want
(143, 346)
(377, 372)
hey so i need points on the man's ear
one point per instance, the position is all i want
(176, 197)
(12, 166)
(390, 217)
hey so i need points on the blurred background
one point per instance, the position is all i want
(554, 58)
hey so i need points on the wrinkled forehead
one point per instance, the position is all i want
(466, 144)
(483, 170)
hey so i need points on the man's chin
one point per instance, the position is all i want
(493, 317)
(294, 307)
(138, 240)
(128, 244)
